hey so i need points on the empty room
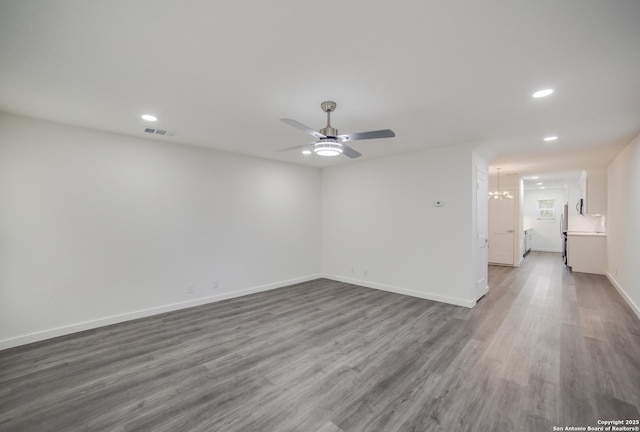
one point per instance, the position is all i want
(319, 217)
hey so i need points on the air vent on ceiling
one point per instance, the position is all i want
(160, 132)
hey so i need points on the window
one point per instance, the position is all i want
(546, 210)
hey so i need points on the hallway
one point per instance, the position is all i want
(566, 344)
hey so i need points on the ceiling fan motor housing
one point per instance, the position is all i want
(329, 132)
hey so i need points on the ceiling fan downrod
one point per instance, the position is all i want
(328, 131)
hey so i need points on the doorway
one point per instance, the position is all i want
(502, 223)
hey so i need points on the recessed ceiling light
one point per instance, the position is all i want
(542, 93)
(551, 138)
(149, 117)
(541, 187)
(306, 152)
(539, 183)
(534, 178)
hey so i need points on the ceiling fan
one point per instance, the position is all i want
(329, 142)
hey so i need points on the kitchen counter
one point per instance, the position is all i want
(587, 252)
(587, 234)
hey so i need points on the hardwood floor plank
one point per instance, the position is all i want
(577, 383)
(330, 427)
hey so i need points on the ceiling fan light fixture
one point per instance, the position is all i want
(328, 152)
(327, 148)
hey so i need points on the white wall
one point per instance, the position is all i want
(623, 224)
(545, 234)
(98, 228)
(382, 230)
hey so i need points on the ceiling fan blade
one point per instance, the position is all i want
(349, 152)
(384, 133)
(303, 128)
(295, 147)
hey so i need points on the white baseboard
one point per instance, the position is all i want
(546, 250)
(420, 294)
(505, 265)
(634, 307)
(114, 319)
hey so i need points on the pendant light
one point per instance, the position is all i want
(497, 195)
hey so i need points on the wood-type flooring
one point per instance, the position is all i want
(546, 347)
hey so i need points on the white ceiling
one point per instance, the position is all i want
(555, 180)
(223, 73)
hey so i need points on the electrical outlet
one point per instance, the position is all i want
(352, 270)
(365, 272)
(215, 284)
(191, 289)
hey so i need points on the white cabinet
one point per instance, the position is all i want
(596, 194)
(582, 185)
(593, 190)
(587, 252)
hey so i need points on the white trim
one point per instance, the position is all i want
(506, 265)
(546, 250)
(114, 319)
(634, 307)
(404, 291)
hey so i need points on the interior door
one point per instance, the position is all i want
(482, 237)
(502, 230)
